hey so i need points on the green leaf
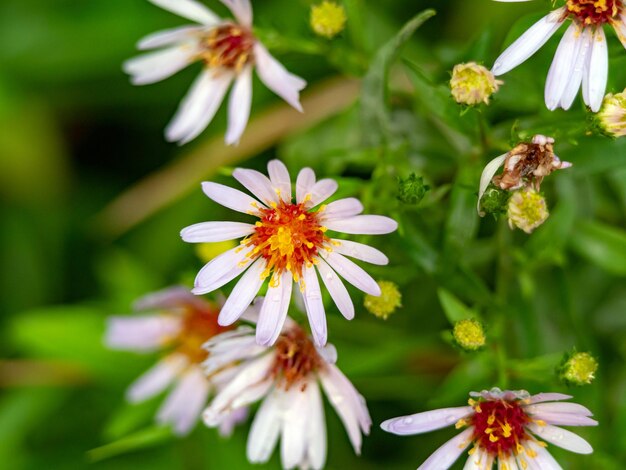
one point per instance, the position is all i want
(454, 309)
(601, 244)
(143, 439)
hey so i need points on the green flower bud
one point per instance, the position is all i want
(412, 189)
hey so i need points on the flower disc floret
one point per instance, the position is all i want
(296, 358)
(229, 46)
(594, 12)
(499, 426)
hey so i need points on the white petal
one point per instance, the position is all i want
(279, 176)
(242, 295)
(156, 379)
(241, 9)
(274, 310)
(143, 334)
(321, 191)
(171, 298)
(353, 273)
(427, 421)
(528, 43)
(507, 463)
(221, 270)
(316, 428)
(304, 183)
(264, 431)
(360, 251)
(561, 438)
(231, 198)
(566, 419)
(479, 460)
(543, 460)
(257, 183)
(341, 208)
(169, 37)
(487, 175)
(598, 71)
(543, 397)
(363, 225)
(567, 408)
(277, 78)
(448, 453)
(620, 29)
(296, 410)
(210, 232)
(337, 290)
(562, 66)
(184, 404)
(576, 77)
(227, 426)
(189, 9)
(199, 106)
(239, 106)
(314, 305)
(159, 65)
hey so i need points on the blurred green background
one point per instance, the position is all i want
(75, 135)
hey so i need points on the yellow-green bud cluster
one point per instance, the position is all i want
(578, 368)
(611, 119)
(389, 300)
(469, 334)
(328, 19)
(473, 84)
(527, 210)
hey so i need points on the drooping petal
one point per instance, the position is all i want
(159, 65)
(257, 183)
(142, 334)
(304, 183)
(561, 437)
(239, 106)
(169, 37)
(598, 71)
(487, 175)
(336, 289)
(231, 198)
(528, 43)
(363, 225)
(277, 78)
(156, 379)
(190, 9)
(243, 294)
(360, 251)
(314, 304)
(221, 270)
(342, 208)
(241, 9)
(274, 310)
(264, 431)
(279, 176)
(448, 453)
(353, 273)
(562, 66)
(427, 421)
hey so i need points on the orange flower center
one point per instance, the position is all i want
(229, 46)
(296, 358)
(199, 325)
(594, 12)
(499, 426)
(289, 237)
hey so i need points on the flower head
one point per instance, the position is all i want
(611, 118)
(508, 426)
(527, 210)
(473, 84)
(287, 377)
(183, 323)
(328, 19)
(581, 60)
(228, 50)
(469, 334)
(290, 242)
(578, 368)
(386, 303)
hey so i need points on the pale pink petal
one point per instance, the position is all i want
(279, 176)
(543, 460)
(141, 334)
(427, 421)
(566, 419)
(360, 251)
(159, 65)
(210, 232)
(342, 208)
(336, 289)
(277, 78)
(543, 397)
(227, 426)
(479, 460)
(304, 183)
(184, 404)
(316, 428)
(321, 191)
(198, 108)
(257, 183)
(169, 299)
(448, 453)
(190, 9)
(296, 408)
(241, 9)
(239, 106)
(265, 430)
(314, 305)
(169, 37)
(569, 408)
(156, 379)
(243, 294)
(363, 225)
(353, 273)
(274, 310)
(561, 437)
(231, 198)
(221, 270)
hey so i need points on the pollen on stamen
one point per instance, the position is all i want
(593, 12)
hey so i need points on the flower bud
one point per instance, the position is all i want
(469, 334)
(328, 19)
(527, 210)
(473, 84)
(412, 189)
(611, 119)
(495, 201)
(578, 368)
(384, 305)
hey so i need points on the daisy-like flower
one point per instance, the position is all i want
(288, 243)
(179, 324)
(229, 51)
(287, 377)
(582, 56)
(524, 166)
(507, 426)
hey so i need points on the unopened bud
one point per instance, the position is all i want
(472, 84)
(469, 334)
(578, 368)
(384, 305)
(495, 201)
(611, 119)
(412, 189)
(328, 19)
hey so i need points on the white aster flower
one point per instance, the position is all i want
(582, 56)
(183, 323)
(288, 243)
(229, 52)
(287, 377)
(507, 426)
